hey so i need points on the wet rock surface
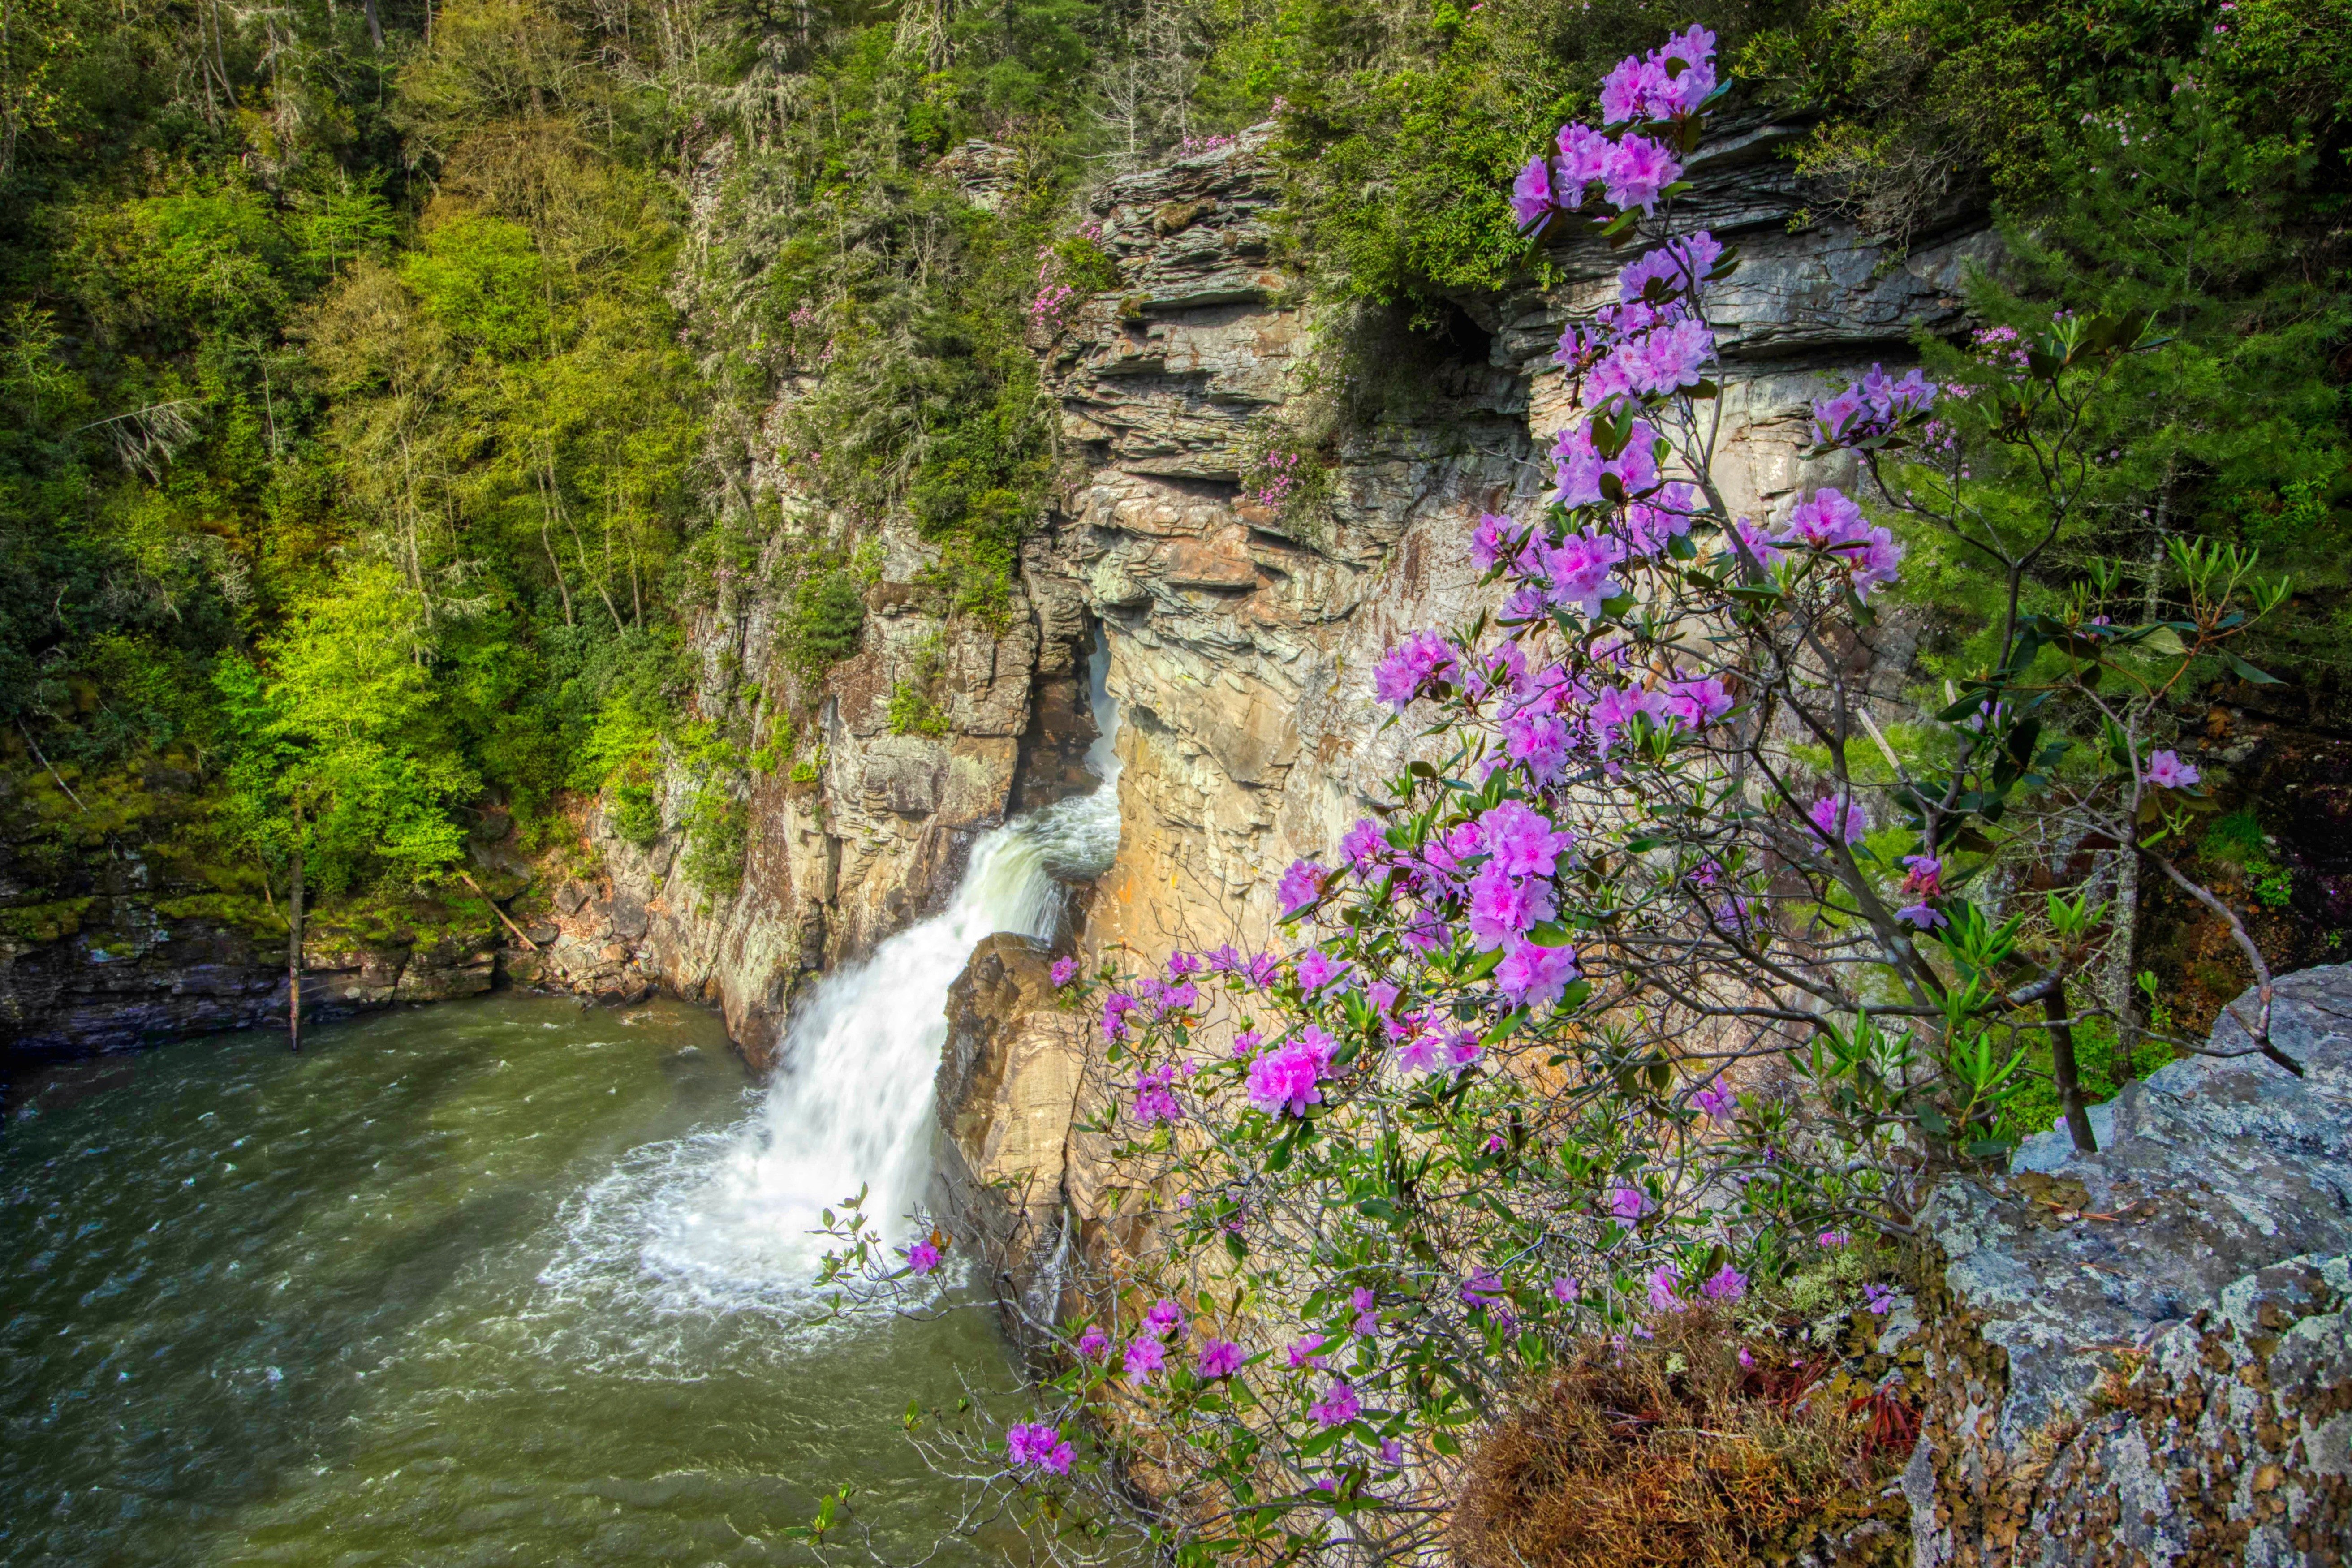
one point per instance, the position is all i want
(2144, 1354)
(1010, 1080)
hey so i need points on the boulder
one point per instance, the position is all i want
(2141, 1355)
(1009, 1083)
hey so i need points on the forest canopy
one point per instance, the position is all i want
(380, 385)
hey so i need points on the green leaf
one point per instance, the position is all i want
(2244, 671)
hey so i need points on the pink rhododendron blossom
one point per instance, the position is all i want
(1565, 1289)
(1165, 1318)
(1362, 1301)
(1926, 917)
(1246, 1041)
(1533, 976)
(1626, 90)
(1219, 1358)
(1716, 1101)
(1494, 540)
(1638, 171)
(1725, 1284)
(1414, 663)
(1660, 361)
(1382, 995)
(1424, 1052)
(1300, 886)
(1154, 1103)
(1064, 970)
(1758, 543)
(1923, 875)
(1584, 158)
(1318, 969)
(1695, 704)
(1829, 1240)
(1629, 1202)
(1523, 842)
(1502, 906)
(1115, 1009)
(1301, 1351)
(1665, 1280)
(922, 1257)
(1834, 815)
(1287, 1078)
(1038, 1445)
(1879, 1299)
(1679, 264)
(1649, 524)
(1145, 1355)
(1579, 571)
(1875, 405)
(1483, 1288)
(1094, 1344)
(1828, 521)
(1539, 746)
(1364, 844)
(1338, 1407)
(1531, 200)
(2167, 771)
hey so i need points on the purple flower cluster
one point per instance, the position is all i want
(1422, 661)
(1436, 1048)
(1218, 1358)
(1287, 1079)
(1155, 1100)
(1338, 1407)
(1038, 1445)
(1876, 405)
(1834, 816)
(1668, 83)
(1716, 1101)
(1923, 880)
(1300, 886)
(2167, 771)
(1064, 970)
(1829, 522)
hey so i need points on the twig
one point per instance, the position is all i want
(51, 767)
(521, 935)
(2260, 1036)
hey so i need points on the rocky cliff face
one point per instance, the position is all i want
(2144, 1355)
(1243, 633)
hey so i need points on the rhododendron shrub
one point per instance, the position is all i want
(1660, 962)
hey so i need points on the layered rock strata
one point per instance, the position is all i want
(1245, 622)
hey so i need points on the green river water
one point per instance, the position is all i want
(387, 1302)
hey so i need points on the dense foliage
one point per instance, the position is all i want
(327, 335)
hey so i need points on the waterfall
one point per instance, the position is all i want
(727, 1220)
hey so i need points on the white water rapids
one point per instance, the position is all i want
(727, 1220)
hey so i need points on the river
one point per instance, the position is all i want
(501, 1281)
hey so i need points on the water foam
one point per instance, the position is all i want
(728, 1221)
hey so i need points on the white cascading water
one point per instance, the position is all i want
(729, 1220)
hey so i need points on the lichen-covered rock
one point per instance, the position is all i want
(2140, 1355)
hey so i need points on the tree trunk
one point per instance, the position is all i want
(376, 25)
(294, 946)
(2064, 1068)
